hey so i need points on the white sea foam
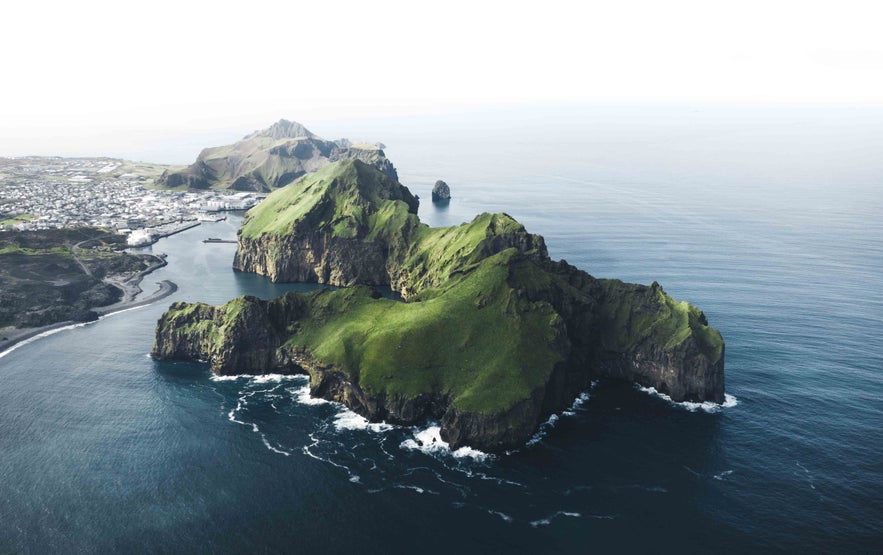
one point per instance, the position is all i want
(262, 378)
(544, 429)
(418, 489)
(353, 477)
(276, 378)
(547, 426)
(215, 378)
(231, 416)
(548, 520)
(583, 397)
(349, 420)
(470, 453)
(504, 516)
(102, 317)
(273, 449)
(302, 394)
(707, 406)
(430, 442)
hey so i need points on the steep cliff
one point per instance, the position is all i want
(269, 159)
(494, 335)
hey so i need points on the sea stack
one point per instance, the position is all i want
(441, 192)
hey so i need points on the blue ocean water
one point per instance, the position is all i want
(768, 220)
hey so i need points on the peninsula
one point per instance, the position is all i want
(489, 338)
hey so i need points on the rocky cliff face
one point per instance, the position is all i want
(271, 158)
(494, 337)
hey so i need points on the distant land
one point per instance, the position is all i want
(269, 159)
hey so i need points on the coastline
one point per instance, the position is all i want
(131, 287)
(18, 336)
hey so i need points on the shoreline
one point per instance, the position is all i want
(131, 287)
(18, 336)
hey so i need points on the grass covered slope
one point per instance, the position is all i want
(476, 345)
(494, 335)
(340, 199)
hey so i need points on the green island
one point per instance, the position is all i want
(490, 336)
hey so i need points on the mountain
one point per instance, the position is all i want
(269, 159)
(491, 335)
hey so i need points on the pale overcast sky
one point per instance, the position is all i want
(89, 73)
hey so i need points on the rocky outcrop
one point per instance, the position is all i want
(269, 159)
(495, 336)
(441, 192)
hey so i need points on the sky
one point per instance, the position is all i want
(91, 76)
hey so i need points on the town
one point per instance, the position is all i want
(53, 192)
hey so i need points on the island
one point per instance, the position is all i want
(489, 336)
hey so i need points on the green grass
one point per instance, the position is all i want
(21, 218)
(15, 249)
(341, 199)
(637, 314)
(476, 341)
(471, 343)
(436, 254)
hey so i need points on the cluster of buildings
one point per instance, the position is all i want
(42, 193)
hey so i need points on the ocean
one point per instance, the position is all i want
(768, 219)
